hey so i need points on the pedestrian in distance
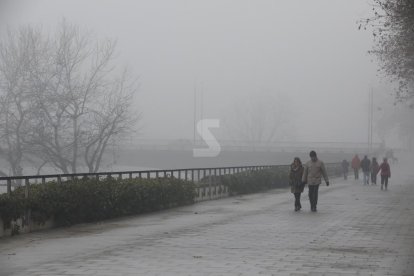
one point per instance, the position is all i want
(295, 181)
(313, 172)
(366, 169)
(385, 173)
(356, 164)
(345, 168)
(374, 171)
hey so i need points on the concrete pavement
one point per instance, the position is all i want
(358, 230)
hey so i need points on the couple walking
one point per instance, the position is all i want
(311, 173)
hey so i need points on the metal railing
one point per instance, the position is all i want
(207, 186)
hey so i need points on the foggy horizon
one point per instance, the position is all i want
(312, 55)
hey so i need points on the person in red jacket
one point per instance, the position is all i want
(385, 170)
(356, 164)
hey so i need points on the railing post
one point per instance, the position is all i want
(209, 183)
(59, 180)
(130, 175)
(26, 195)
(26, 187)
(215, 182)
(9, 186)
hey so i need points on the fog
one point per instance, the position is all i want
(309, 51)
(273, 71)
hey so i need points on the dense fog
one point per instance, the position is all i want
(281, 74)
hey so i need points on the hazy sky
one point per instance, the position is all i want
(308, 51)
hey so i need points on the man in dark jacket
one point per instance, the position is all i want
(366, 169)
(312, 175)
(345, 167)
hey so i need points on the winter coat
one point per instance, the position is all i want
(366, 165)
(313, 173)
(356, 163)
(345, 166)
(374, 167)
(385, 169)
(295, 179)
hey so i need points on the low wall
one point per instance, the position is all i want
(18, 225)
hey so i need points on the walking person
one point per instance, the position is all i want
(312, 175)
(355, 164)
(374, 171)
(385, 173)
(295, 181)
(345, 168)
(366, 169)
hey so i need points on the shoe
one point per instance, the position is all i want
(296, 209)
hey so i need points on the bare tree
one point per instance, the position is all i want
(80, 100)
(85, 104)
(18, 56)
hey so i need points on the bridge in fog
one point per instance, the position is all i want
(233, 145)
(167, 154)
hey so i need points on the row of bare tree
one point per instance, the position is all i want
(62, 99)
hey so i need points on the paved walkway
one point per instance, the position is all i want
(358, 230)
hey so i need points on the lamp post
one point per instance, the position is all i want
(370, 119)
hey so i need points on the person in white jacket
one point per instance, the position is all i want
(312, 175)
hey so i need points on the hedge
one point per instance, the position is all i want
(256, 181)
(90, 200)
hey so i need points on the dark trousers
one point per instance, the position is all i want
(345, 175)
(373, 178)
(297, 200)
(313, 195)
(356, 173)
(384, 181)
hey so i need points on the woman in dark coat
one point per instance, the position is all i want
(374, 171)
(295, 181)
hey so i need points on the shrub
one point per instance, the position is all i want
(89, 200)
(256, 181)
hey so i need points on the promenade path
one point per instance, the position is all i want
(358, 230)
